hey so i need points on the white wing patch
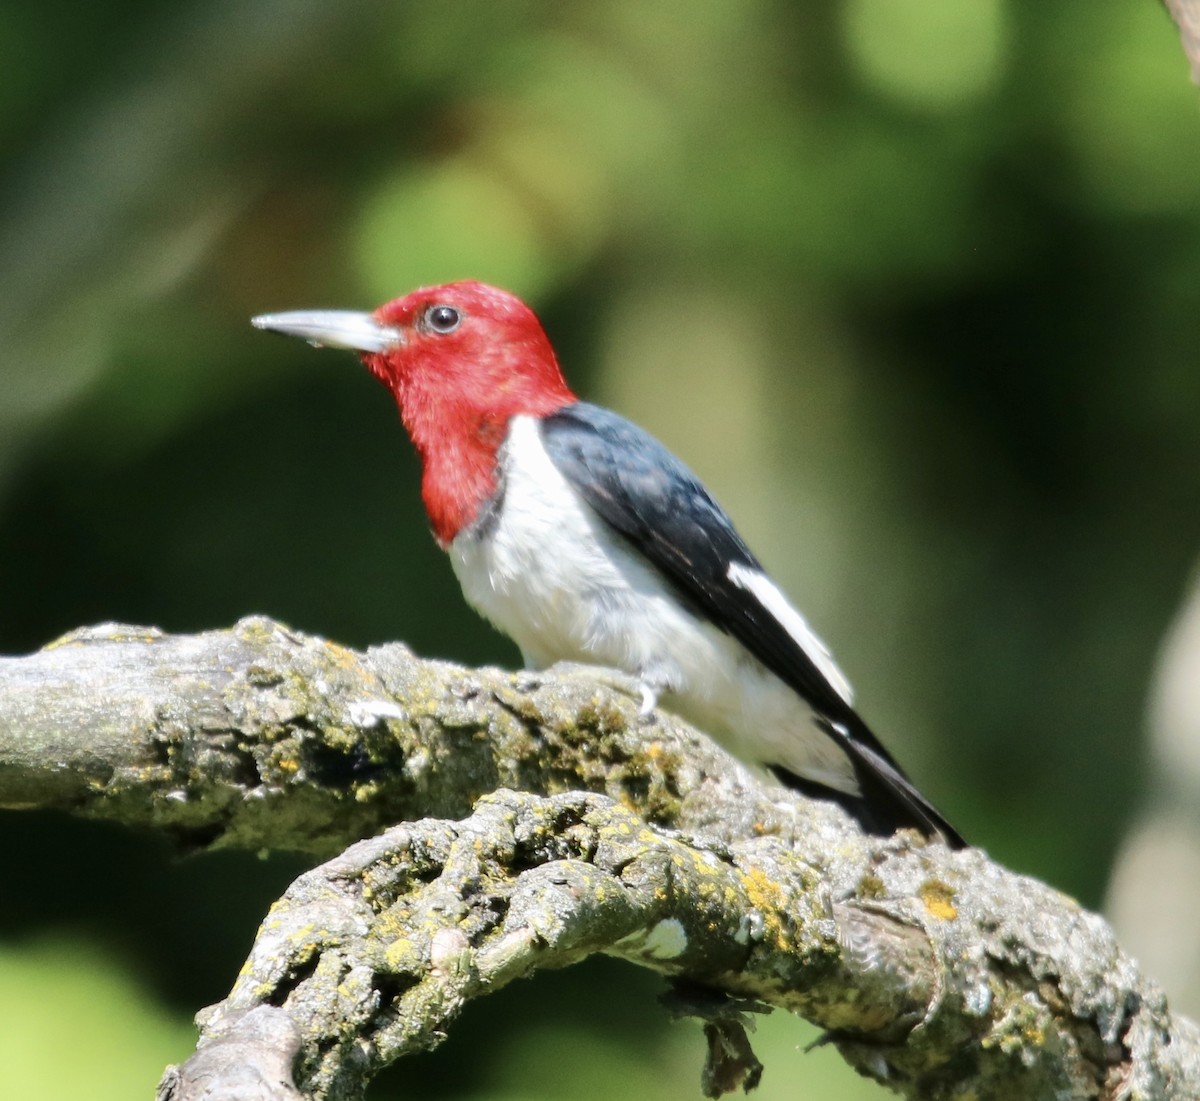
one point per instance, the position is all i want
(763, 589)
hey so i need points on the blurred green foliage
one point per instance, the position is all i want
(912, 284)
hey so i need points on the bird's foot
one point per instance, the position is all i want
(649, 695)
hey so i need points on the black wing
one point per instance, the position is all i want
(655, 502)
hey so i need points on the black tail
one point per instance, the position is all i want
(886, 799)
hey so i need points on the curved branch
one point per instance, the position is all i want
(930, 984)
(938, 973)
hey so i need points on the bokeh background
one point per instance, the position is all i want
(913, 284)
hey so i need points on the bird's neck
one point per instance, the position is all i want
(458, 476)
(458, 438)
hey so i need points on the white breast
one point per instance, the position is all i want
(547, 571)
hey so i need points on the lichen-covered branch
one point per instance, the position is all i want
(547, 822)
(259, 737)
(374, 953)
(937, 972)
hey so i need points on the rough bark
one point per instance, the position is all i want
(544, 821)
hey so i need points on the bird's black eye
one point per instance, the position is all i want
(443, 319)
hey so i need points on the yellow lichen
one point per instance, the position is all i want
(399, 953)
(768, 899)
(347, 659)
(938, 898)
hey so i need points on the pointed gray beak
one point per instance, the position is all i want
(359, 332)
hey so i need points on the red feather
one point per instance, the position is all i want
(457, 391)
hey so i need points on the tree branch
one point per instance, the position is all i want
(259, 737)
(939, 973)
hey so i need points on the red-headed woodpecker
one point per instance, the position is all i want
(582, 538)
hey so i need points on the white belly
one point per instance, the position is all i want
(549, 573)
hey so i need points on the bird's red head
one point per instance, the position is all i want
(467, 351)
(464, 359)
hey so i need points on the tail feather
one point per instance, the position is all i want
(886, 801)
